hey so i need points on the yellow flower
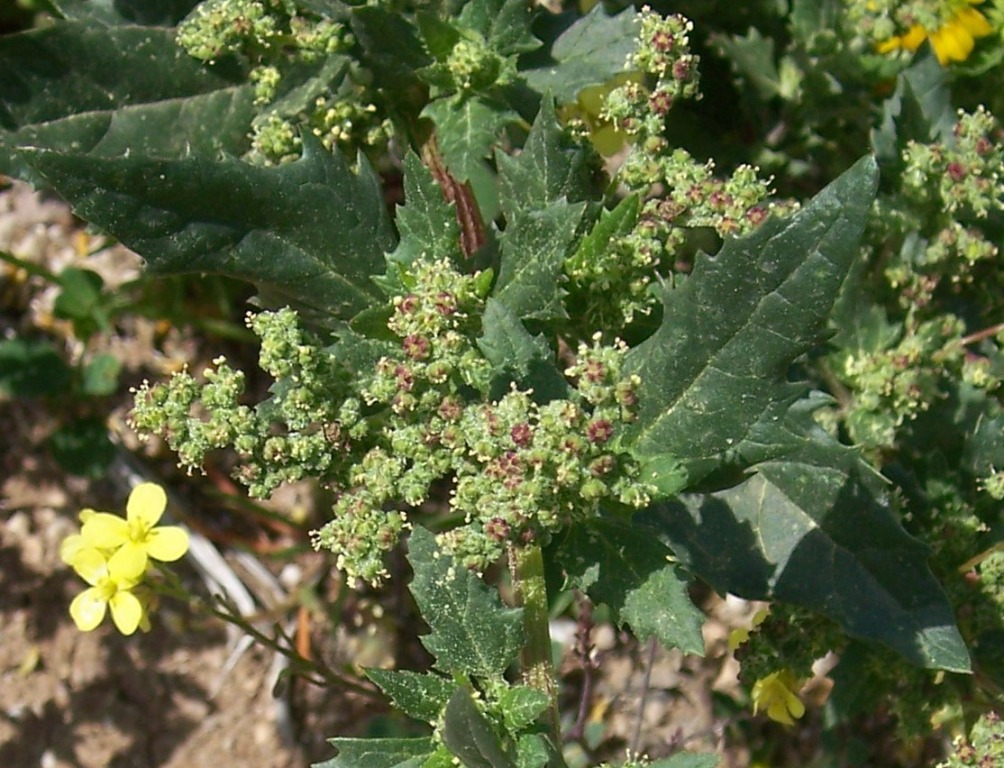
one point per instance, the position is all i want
(133, 541)
(952, 41)
(776, 694)
(109, 588)
(739, 636)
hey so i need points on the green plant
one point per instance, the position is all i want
(605, 401)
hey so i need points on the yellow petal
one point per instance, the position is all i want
(951, 43)
(914, 37)
(778, 712)
(974, 22)
(127, 565)
(90, 565)
(890, 45)
(794, 705)
(126, 611)
(105, 531)
(146, 504)
(88, 609)
(70, 547)
(167, 543)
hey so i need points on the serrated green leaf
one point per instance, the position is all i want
(717, 364)
(469, 736)
(534, 247)
(686, 760)
(627, 567)
(920, 109)
(472, 632)
(521, 706)
(379, 753)
(440, 35)
(519, 357)
(550, 167)
(752, 57)
(806, 529)
(426, 222)
(310, 233)
(505, 24)
(91, 89)
(590, 52)
(394, 66)
(418, 695)
(611, 226)
(467, 130)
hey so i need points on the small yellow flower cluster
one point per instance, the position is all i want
(777, 695)
(113, 554)
(952, 41)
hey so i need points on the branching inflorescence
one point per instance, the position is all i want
(421, 414)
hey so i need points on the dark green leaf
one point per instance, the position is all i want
(752, 57)
(717, 365)
(309, 233)
(505, 24)
(551, 166)
(440, 35)
(469, 736)
(534, 247)
(30, 368)
(519, 357)
(163, 13)
(379, 753)
(101, 375)
(472, 632)
(90, 89)
(421, 696)
(426, 222)
(627, 567)
(807, 529)
(394, 65)
(590, 52)
(83, 447)
(920, 109)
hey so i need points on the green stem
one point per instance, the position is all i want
(526, 564)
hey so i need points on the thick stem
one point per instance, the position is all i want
(526, 564)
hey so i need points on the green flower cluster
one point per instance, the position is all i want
(897, 377)
(419, 413)
(300, 81)
(682, 193)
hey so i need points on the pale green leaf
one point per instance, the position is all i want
(379, 753)
(472, 632)
(534, 248)
(418, 695)
(627, 567)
